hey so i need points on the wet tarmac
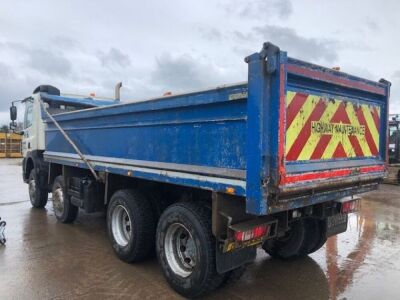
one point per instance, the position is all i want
(47, 260)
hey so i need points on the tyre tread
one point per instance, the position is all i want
(203, 214)
(287, 249)
(42, 195)
(146, 237)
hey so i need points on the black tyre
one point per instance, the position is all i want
(290, 245)
(317, 229)
(312, 236)
(131, 225)
(186, 249)
(64, 210)
(37, 195)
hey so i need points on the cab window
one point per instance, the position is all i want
(392, 134)
(57, 108)
(28, 114)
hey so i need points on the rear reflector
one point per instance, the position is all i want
(252, 234)
(350, 206)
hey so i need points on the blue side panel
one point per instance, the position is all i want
(197, 130)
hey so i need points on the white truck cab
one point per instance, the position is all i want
(33, 133)
(34, 168)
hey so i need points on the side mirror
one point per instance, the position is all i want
(13, 112)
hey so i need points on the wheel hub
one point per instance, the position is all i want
(121, 225)
(32, 189)
(180, 250)
(58, 201)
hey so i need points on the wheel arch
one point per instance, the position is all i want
(29, 166)
(34, 161)
(160, 195)
(54, 171)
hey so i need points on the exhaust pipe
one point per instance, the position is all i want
(118, 91)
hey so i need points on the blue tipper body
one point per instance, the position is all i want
(230, 139)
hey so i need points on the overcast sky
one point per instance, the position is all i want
(158, 46)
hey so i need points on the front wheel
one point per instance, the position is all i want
(38, 196)
(186, 249)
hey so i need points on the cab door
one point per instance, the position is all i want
(28, 142)
(394, 142)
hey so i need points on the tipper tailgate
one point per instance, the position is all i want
(335, 128)
(317, 134)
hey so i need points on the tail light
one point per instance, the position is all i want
(350, 206)
(252, 234)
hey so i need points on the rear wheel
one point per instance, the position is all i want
(186, 249)
(64, 210)
(315, 235)
(131, 225)
(37, 195)
(288, 246)
(305, 237)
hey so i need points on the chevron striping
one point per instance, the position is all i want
(361, 139)
(289, 97)
(376, 116)
(371, 124)
(313, 140)
(300, 120)
(340, 116)
(294, 107)
(305, 132)
(322, 128)
(321, 146)
(368, 135)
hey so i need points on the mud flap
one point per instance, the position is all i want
(231, 260)
(336, 224)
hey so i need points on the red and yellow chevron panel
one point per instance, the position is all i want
(320, 128)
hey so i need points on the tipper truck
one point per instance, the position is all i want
(394, 150)
(202, 179)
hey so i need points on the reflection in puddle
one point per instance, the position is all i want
(340, 271)
(358, 256)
